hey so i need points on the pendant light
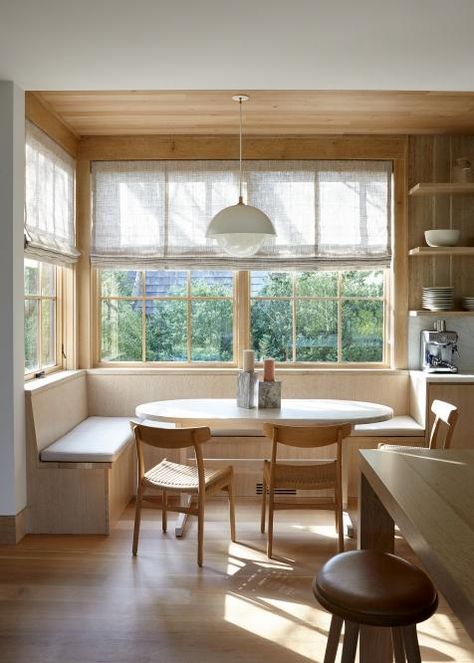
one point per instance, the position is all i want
(240, 229)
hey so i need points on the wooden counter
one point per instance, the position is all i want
(430, 496)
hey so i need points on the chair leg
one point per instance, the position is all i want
(230, 491)
(333, 639)
(351, 634)
(264, 507)
(164, 513)
(136, 527)
(200, 531)
(410, 640)
(271, 498)
(398, 648)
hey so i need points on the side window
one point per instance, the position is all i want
(42, 339)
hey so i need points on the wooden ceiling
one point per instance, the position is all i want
(268, 112)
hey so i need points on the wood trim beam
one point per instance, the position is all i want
(110, 148)
(44, 118)
(84, 300)
(400, 277)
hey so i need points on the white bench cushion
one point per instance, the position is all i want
(236, 432)
(402, 426)
(94, 440)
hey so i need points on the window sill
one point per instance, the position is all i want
(38, 384)
(280, 372)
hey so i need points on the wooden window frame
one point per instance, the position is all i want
(339, 298)
(58, 299)
(241, 308)
(189, 298)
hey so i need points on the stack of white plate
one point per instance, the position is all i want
(438, 298)
(468, 303)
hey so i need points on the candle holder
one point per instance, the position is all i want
(269, 394)
(247, 389)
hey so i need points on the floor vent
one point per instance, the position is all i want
(278, 491)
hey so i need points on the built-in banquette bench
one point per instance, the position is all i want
(81, 466)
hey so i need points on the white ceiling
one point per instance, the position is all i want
(240, 45)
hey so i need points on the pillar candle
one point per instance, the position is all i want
(269, 370)
(249, 360)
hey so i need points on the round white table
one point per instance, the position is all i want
(224, 412)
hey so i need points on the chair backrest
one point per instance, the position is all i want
(308, 437)
(446, 416)
(170, 438)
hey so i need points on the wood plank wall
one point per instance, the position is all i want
(430, 159)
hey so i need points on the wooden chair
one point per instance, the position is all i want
(446, 416)
(326, 474)
(172, 477)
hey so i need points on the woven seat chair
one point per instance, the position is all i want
(323, 475)
(198, 481)
(446, 416)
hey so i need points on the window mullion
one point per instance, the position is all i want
(241, 315)
(189, 316)
(40, 318)
(339, 317)
(293, 315)
(144, 300)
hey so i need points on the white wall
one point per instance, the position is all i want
(464, 326)
(12, 182)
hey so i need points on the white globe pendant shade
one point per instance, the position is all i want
(240, 229)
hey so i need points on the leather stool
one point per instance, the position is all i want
(365, 587)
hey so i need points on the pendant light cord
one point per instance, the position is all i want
(240, 152)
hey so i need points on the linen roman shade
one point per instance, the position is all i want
(327, 214)
(49, 221)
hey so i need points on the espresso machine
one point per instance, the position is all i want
(438, 347)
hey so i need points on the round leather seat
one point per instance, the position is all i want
(376, 589)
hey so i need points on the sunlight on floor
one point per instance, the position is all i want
(277, 623)
(328, 531)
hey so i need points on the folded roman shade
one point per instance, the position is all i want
(49, 221)
(327, 214)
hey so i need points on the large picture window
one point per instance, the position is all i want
(166, 316)
(42, 337)
(335, 317)
(192, 316)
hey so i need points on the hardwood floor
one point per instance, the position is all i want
(84, 599)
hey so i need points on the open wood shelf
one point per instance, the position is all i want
(439, 314)
(442, 251)
(442, 188)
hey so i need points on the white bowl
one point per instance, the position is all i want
(445, 237)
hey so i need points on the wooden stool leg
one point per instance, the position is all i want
(333, 639)
(410, 640)
(164, 513)
(136, 527)
(230, 491)
(351, 634)
(340, 525)
(398, 647)
(264, 507)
